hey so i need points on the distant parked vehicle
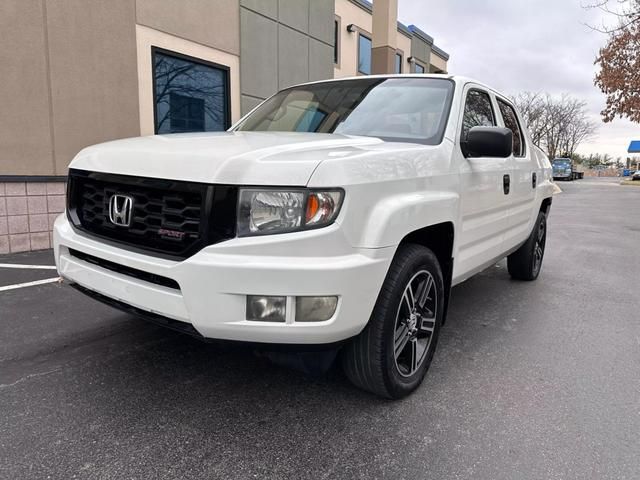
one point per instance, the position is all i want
(636, 175)
(565, 169)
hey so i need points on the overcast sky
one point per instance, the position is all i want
(518, 45)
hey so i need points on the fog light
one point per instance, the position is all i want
(266, 309)
(315, 309)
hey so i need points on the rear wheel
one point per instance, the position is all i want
(526, 262)
(392, 354)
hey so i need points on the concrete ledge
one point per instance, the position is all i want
(32, 178)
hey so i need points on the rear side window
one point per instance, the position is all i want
(478, 112)
(511, 122)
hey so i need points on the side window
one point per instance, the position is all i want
(511, 122)
(478, 112)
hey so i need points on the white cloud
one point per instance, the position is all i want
(517, 45)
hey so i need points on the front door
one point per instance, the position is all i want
(484, 192)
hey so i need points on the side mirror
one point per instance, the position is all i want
(488, 142)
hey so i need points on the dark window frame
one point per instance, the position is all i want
(523, 143)
(401, 57)
(188, 58)
(462, 141)
(417, 64)
(368, 37)
(336, 38)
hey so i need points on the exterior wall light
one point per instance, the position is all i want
(351, 28)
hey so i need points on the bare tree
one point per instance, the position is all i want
(558, 125)
(532, 108)
(625, 12)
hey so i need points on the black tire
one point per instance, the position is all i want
(370, 360)
(526, 262)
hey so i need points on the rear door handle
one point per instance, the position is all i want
(506, 184)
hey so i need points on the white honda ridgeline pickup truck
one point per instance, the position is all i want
(336, 213)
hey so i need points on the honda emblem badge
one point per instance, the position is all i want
(120, 210)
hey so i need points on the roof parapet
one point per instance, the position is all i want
(402, 28)
(421, 35)
(438, 51)
(364, 4)
(407, 30)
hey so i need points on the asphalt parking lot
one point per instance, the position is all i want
(530, 381)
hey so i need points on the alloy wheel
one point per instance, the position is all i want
(538, 247)
(415, 323)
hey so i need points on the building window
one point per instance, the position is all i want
(190, 95)
(419, 68)
(336, 33)
(398, 66)
(364, 54)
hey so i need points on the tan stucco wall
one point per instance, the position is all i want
(384, 23)
(77, 72)
(92, 52)
(25, 128)
(215, 23)
(404, 44)
(146, 38)
(350, 13)
(438, 62)
(348, 56)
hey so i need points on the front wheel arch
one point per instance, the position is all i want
(439, 239)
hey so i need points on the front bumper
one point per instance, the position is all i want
(561, 175)
(214, 283)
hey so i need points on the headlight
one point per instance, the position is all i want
(265, 211)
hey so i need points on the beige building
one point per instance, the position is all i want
(413, 51)
(79, 72)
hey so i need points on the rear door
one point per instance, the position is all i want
(524, 177)
(484, 203)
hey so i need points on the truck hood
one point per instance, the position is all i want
(241, 158)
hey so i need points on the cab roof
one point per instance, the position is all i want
(458, 79)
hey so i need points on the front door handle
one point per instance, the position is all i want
(506, 184)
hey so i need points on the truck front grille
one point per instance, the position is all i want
(167, 217)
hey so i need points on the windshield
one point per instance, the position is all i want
(562, 162)
(393, 109)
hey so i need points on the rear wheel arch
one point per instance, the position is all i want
(545, 206)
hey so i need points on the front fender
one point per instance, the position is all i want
(376, 221)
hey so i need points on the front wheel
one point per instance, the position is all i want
(526, 262)
(391, 356)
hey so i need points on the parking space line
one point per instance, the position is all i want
(29, 284)
(27, 267)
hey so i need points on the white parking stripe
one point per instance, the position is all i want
(28, 267)
(29, 284)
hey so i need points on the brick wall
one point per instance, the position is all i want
(27, 213)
